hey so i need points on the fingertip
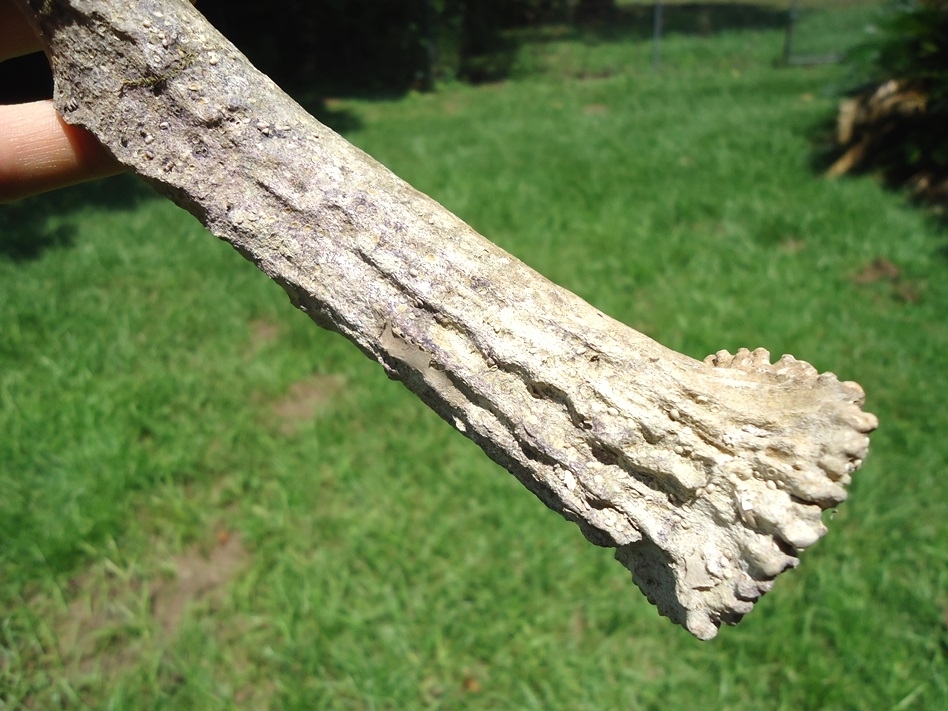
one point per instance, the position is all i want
(41, 152)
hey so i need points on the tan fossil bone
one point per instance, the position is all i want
(708, 478)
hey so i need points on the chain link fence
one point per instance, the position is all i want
(815, 31)
(820, 31)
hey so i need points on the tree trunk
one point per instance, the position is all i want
(708, 478)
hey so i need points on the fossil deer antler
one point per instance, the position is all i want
(708, 478)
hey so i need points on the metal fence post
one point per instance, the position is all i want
(657, 36)
(792, 18)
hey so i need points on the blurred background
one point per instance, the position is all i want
(356, 47)
(207, 502)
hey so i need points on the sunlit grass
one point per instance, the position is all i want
(388, 563)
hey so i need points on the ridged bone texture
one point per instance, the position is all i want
(707, 478)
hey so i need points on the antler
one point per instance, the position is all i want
(708, 478)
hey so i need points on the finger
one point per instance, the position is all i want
(16, 36)
(39, 152)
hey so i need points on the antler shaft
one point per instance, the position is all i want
(708, 478)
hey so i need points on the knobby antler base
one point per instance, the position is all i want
(708, 478)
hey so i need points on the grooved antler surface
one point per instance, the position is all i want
(708, 478)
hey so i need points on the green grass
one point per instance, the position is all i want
(146, 373)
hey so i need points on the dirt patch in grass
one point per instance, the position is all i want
(263, 331)
(262, 334)
(198, 574)
(595, 109)
(307, 399)
(116, 614)
(881, 270)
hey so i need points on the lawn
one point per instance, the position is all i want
(207, 502)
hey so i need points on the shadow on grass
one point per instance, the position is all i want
(322, 106)
(25, 79)
(26, 227)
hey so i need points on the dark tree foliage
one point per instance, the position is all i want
(390, 46)
(374, 45)
(911, 51)
(595, 10)
(914, 48)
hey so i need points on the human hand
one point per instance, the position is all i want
(38, 150)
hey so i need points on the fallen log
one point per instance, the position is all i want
(708, 478)
(866, 122)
